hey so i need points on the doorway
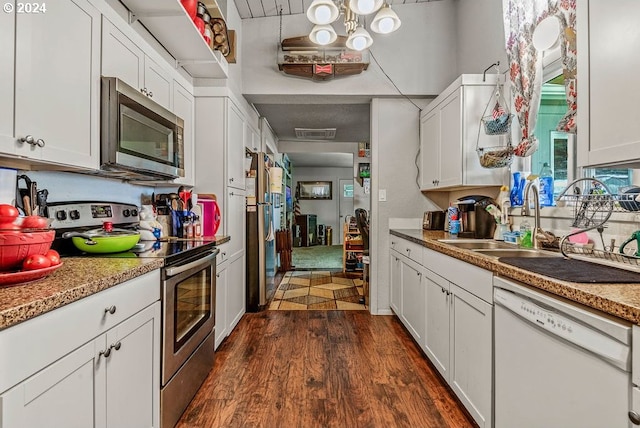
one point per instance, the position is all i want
(345, 204)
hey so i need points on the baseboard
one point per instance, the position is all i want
(386, 311)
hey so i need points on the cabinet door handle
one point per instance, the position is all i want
(111, 309)
(443, 290)
(117, 346)
(150, 94)
(231, 179)
(634, 417)
(106, 353)
(28, 139)
(144, 91)
(39, 142)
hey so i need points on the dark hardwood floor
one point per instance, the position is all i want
(304, 369)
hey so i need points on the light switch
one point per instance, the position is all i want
(382, 195)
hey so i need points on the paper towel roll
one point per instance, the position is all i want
(275, 177)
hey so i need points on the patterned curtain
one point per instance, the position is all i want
(525, 63)
(567, 16)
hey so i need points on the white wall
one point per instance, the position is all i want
(328, 211)
(480, 33)
(394, 143)
(420, 57)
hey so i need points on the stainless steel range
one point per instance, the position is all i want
(188, 281)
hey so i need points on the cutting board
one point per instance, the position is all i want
(572, 270)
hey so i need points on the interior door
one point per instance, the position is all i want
(346, 206)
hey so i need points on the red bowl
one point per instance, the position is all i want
(15, 246)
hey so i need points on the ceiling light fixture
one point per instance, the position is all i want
(324, 12)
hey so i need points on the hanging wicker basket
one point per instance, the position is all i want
(495, 157)
(497, 123)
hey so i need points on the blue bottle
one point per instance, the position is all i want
(546, 186)
(515, 196)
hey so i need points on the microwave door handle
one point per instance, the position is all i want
(172, 271)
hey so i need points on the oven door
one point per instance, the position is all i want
(188, 292)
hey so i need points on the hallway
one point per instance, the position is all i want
(305, 369)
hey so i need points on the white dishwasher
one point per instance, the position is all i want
(558, 365)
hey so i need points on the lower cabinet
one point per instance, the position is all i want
(446, 305)
(113, 380)
(395, 268)
(413, 311)
(230, 293)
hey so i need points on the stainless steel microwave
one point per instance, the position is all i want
(139, 139)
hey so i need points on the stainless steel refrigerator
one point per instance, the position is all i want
(261, 255)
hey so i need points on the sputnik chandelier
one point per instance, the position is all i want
(324, 12)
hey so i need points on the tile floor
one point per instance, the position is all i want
(323, 290)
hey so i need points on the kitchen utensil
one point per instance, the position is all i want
(635, 236)
(101, 241)
(42, 195)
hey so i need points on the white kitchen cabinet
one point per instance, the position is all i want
(413, 298)
(183, 106)
(123, 59)
(459, 331)
(437, 345)
(449, 136)
(236, 290)
(76, 377)
(608, 37)
(57, 85)
(395, 279)
(251, 138)
(7, 56)
(221, 297)
(59, 396)
(235, 146)
(471, 336)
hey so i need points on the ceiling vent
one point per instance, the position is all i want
(315, 134)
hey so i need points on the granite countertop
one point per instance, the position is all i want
(78, 277)
(620, 300)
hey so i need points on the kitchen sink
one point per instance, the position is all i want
(476, 244)
(516, 252)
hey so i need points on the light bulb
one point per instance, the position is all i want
(323, 13)
(386, 25)
(323, 37)
(366, 6)
(359, 43)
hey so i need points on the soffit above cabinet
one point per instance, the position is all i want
(171, 26)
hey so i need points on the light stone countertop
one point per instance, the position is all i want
(77, 278)
(619, 300)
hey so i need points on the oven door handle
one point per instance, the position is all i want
(172, 271)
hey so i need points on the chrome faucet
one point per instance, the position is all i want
(525, 212)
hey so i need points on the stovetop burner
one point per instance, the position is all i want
(85, 215)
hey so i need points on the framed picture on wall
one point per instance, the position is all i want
(315, 189)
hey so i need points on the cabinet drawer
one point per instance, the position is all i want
(33, 344)
(408, 249)
(473, 279)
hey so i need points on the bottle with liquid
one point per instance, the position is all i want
(197, 227)
(546, 186)
(187, 228)
(454, 226)
(525, 234)
(515, 196)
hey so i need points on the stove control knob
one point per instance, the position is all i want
(74, 214)
(126, 212)
(134, 212)
(61, 215)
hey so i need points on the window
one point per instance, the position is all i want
(347, 190)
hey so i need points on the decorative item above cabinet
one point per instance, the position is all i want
(169, 23)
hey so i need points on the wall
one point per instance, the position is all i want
(326, 210)
(394, 143)
(480, 33)
(420, 57)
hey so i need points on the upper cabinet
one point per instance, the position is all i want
(184, 106)
(170, 25)
(449, 136)
(123, 59)
(608, 67)
(57, 69)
